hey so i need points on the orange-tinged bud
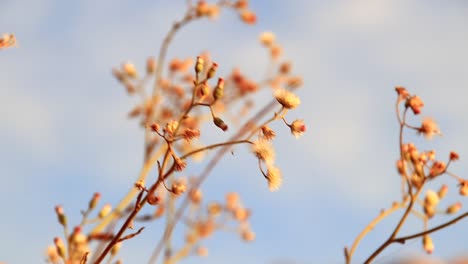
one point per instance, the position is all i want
(454, 208)
(212, 71)
(60, 247)
(428, 244)
(248, 235)
(94, 201)
(62, 218)
(218, 92)
(442, 191)
(220, 123)
(464, 188)
(106, 209)
(454, 156)
(248, 17)
(199, 65)
(415, 103)
(130, 70)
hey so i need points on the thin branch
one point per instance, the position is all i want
(402, 240)
(124, 227)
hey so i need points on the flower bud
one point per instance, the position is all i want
(199, 65)
(130, 70)
(427, 244)
(454, 156)
(212, 70)
(60, 247)
(464, 188)
(106, 209)
(415, 103)
(297, 128)
(432, 199)
(218, 92)
(62, 218)
(442, 191)
(94, 201)
(179, 187)
(220, 123)
(454, 208)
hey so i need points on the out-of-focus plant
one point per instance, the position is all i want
(7, 41)
(177, 99)
(418, 169)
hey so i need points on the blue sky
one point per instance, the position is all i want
(64, 132)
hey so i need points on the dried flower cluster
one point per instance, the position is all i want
(178, 101)
(418, 170)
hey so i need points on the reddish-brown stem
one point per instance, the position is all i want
(124, 227)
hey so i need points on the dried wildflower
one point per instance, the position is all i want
(220, 123)
(431, 154)
(463, 188)
(94, 201)
(190, 134)
(264, 151)
(454, 156)
(179, 186)
(297, 128)
(171, 127)
(454, 208)
(106, 209)
(442, 191)
(415, 103)
(268, 133)
(287, 99)
(248, 235)
(429, 128)
(150, 65)
(179, 164)
(248, 17)
(7, 41)
(267, 38)
(130, 70)
(274, 178)
(438, 167)
(402, 93)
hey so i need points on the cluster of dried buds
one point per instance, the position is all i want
(172, 112)
(418, 168)
(76, 245)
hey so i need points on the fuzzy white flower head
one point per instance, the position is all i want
(287, 99)
(274, 178)
(263, 150)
